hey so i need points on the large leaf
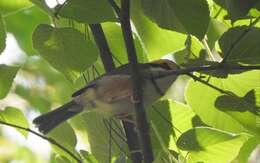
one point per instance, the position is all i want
(65, 49)
(187, 16)
(244, 109)
(157, 41)
(193, 52)
(215, 30)
(247, 148)
(94, 129)
(6, 78)
(206, 109)
(64, 135)
(88, 157)
(237, 8)
(30, 17)
(87, 11)
(42, 4)
(200, 138)
(7, 6)
(2, 35)
(241, 44)
(16, 117)
(211, 145)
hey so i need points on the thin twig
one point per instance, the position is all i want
(112, 137)
(102, 44)
(142, 124)
(50, 140)
(115, 6)
(204, 41)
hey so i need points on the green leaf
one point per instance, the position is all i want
(193, 52)
(88, 157)
(215, 30)
(65, 49)
(211, 145)
(6, 78)
(15, 116)
(200, 138)
(237, 8)
(156, 41)
(87, 11)
(7, 6)
(2, 35)
(239, 84)
(30, 17)
(91, 126)
(241, 44)
(247, 149)
(64, 135)
(243, 109)
(42, 5)
(161, 124)
(61, 159)
(115, 40)
(187, 16)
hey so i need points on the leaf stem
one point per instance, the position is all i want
(204, 41)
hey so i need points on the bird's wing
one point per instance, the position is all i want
(115, 87)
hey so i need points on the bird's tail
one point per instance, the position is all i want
(52, 119)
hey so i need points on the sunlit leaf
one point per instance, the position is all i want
(7, 6)
(61, 159)
(193, 52)
(65, 49)
(88, 157)
(199, 138)
(247, 149)
(243, 109)
(157, 41)
(215, 30)
(238, 84)
(15, 116)
(7, 76)
(210, 145)
(42, 4)
(87, 11)
(191, 17)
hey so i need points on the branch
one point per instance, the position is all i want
(115, 6)
(220, 66)
(142, 124)
(50, 140)
(103, 47)
(239, 39)
(107, 60)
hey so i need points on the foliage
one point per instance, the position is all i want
(217, 123)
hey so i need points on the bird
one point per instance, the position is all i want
(111, 94)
